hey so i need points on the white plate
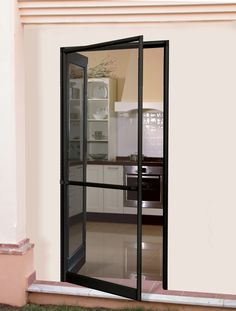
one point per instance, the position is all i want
(97, 90)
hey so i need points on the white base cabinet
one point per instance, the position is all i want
(113, 199)
(95, 195)
(105, 200)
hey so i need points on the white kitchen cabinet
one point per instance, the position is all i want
(101, 118)
(75, 193)
(113, 199)
(101, 200)
(95, 195)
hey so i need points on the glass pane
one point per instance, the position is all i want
(76, 218)
(112, 109)
(76, 97)
(151, 255)
(108, 240)
(151, 191)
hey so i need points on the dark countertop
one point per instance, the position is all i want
(147, 161)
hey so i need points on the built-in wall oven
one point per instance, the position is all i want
(152, 186)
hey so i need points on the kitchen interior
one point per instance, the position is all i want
(111, 143)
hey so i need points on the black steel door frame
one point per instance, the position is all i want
(84, 280)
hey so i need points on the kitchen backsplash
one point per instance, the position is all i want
(152, 133)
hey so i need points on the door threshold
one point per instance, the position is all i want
(164, 297)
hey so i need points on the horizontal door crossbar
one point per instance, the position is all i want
(98, 185)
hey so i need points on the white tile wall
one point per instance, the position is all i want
(152, 133)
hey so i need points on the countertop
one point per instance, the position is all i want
(147, 161)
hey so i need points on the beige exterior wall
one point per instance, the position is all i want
(12, 126)
(16, 253)
(202, 152)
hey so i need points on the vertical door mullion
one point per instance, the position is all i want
(84, 190)
(64, 163)
(165, 171)
(140, 147)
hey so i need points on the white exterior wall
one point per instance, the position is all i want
(202, 167)
(12, 126)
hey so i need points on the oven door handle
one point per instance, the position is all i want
(151, 176)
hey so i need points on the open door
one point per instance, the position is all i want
(74, 213)
(80, 264)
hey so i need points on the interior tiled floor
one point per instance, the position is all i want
(111, 254)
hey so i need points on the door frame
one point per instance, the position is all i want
(105, 46)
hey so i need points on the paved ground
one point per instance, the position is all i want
(49, 308)
(60, 308)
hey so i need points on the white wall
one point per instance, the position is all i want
(12, 126)
(202, 167)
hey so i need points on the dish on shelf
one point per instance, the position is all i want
(97, 90)
(103, 137)
(100, 113)
(99, 116)
(98, 156)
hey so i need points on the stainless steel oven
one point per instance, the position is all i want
(152, 185)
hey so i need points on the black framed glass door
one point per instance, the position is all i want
(73, 148)
(92, 255)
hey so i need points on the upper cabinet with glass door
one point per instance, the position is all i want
(101, 125)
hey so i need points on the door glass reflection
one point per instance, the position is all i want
(76, 218)
(76, 98)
